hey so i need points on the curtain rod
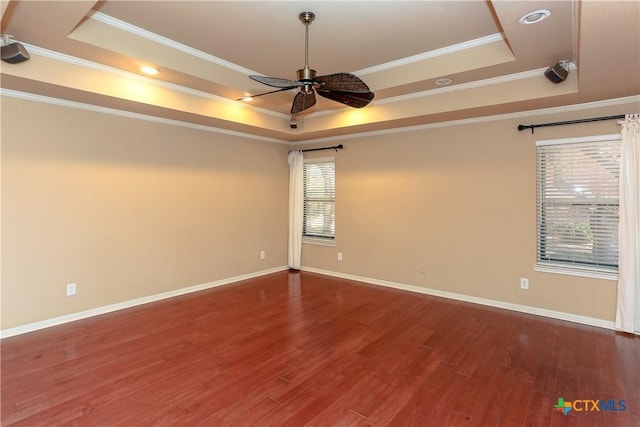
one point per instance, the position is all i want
(570, 122)
(335, 147)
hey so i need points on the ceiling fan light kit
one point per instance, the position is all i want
(345, 88)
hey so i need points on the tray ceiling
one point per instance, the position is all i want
(91, 52)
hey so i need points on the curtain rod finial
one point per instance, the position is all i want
(523, 127)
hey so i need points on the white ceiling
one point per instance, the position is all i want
(90, 52)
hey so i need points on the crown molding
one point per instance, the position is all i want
(79, 62)
(432, 54)
(508, 116)
(465, 86)
(140, 32)
(472, 85)
(125, 26)
(131, 115)
(453, 88)
(483, 119)
(62, 57)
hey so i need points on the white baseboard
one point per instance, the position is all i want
(6, 333)
(131, 303)
(591, 321)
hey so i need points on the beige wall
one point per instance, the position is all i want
(461, 200)
(128, 208)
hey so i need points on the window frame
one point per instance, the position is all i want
(563, 267)
(311, 239)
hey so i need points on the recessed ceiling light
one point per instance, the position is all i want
(149, 70)
(443, 82)
(535, 16)
(247, 98)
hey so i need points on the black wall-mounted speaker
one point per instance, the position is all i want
(14, 53)
(557, 73)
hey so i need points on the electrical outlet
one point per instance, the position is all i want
(339, 256)
(421, 268)
(71, 289)
(524, 283)
(263, 255)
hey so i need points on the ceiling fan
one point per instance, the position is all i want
(345, 88)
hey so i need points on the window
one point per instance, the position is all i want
(577, 205)
(319, 200)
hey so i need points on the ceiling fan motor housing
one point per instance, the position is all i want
(306, 76)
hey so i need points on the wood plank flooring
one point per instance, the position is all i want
(301, 349)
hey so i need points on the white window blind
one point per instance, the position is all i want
(319, 199)
(577, 203)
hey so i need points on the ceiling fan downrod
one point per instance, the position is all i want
(306, 74)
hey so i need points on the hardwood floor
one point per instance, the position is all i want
(304, 349)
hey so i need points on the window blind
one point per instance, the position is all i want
(577, 203)
(319, 200)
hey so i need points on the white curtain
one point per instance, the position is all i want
(628, 307)
(296, 201)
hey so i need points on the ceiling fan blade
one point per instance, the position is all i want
(266, 93)
(303, 100)
(352, 99)
(276, 81)
(344, 82)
